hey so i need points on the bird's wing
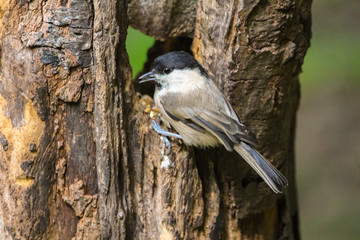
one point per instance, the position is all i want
(220, 123)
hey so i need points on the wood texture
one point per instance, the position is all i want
(49, 180)
(254, 51)
(78, 159)
(163, 19)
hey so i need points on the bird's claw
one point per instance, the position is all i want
(165, 145)
(165, 141)
(162, 132)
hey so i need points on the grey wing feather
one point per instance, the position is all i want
(232, 127)
(213, 114)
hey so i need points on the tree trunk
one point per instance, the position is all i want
(77, 157)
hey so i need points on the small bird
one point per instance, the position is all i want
(191, 103)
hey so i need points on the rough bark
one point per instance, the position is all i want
(163, 19)
(254, 51)
(77, 157)
(48, 169)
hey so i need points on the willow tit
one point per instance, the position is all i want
(191, 103)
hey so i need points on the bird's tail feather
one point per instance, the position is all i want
(266, 170)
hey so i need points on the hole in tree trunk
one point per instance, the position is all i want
(143, 50)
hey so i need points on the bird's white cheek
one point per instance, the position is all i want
(185, 80)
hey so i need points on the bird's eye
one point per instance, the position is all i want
(166, 70)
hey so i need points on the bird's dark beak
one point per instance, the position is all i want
(147, 77)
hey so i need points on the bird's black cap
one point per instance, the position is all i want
(176, 60)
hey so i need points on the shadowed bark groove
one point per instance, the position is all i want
(78, 159)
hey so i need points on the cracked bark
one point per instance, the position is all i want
(78, 160)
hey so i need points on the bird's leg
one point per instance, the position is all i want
(165, 144)
(164, 134)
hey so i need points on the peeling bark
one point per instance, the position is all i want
(46, 98)
(78, 159)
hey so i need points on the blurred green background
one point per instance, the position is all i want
(137, 45)
(328, 127)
